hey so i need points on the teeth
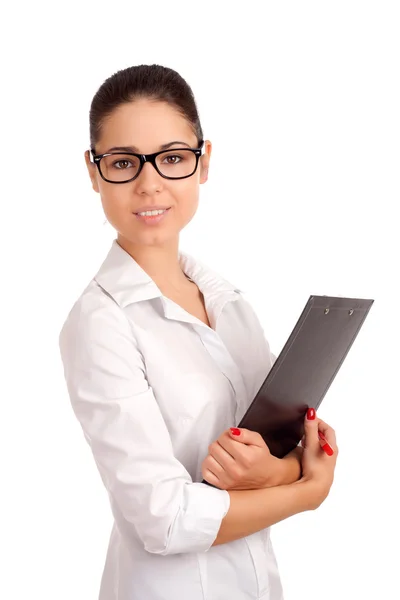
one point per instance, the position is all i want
(151, 213)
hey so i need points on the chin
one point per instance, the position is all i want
(149, 238)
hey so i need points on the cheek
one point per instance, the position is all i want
(114, 199)
(187, 200)
(118, 202)
(116, 206)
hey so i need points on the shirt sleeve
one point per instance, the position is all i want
(117, 410)
(262, 359)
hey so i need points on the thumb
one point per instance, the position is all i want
(311, 430)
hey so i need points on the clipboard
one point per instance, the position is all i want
(305, 369)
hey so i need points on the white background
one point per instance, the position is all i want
(301, 101)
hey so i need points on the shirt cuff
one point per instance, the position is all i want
(199, 518)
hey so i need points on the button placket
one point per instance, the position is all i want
(219, 353)
(236, 377)
(213, 343)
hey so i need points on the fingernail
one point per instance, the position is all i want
(235, 431)
(327, 449)
(311, 414)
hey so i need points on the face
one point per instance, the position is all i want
(147, 125)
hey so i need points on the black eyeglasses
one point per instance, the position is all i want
(121, 167)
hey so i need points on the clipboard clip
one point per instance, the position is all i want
(351, 311)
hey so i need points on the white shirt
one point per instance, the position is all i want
(152, 386)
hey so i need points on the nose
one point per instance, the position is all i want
(149, 181)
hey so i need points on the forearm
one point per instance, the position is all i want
(253, 510)
(292, 471)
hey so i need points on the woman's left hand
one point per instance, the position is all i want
(244, 462)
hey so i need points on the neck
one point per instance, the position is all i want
(161, 263)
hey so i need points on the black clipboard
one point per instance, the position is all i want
(305, 369)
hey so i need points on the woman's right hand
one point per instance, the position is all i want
(317, 467)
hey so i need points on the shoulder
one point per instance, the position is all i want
(92, 317)
(98, 349)
(250, 319)
(208, 279)
(245, 304)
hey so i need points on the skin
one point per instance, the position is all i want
(243, 462)
(147, 125)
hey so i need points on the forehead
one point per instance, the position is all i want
(145, 124)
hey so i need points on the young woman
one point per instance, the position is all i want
(161, 357)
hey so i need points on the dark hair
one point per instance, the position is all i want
(143, 81)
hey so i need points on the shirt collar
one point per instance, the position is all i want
(126, 282)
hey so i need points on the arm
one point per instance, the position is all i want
(154, 499)
(253, 510)
(292, 467)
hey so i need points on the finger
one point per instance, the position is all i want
(326, 447)
(246, 436)
(327, 432)
(322, 440)
(210, 477)
(221, 456)
(218, 472)
(239, 452)
(214, 466)
(311, 430)
(326, 429)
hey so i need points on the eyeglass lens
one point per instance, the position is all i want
(122, 167)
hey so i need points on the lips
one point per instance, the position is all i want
(151, 220)
(151, 208)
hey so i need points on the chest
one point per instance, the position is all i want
(203, 379)
(192, 302)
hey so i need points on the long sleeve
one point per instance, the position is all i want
(257, 346)
(121, 420)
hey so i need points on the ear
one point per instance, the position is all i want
(205, 162)
(92, 170)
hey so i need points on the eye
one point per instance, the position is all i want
(122, 164)
(172, 159)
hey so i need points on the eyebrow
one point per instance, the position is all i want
(134, 149)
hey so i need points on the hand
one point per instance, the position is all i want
(242, 462)
(318, 468)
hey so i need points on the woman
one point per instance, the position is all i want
(161, 357)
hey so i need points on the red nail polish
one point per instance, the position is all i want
(235, 431)
(327, 449)
(311, 414)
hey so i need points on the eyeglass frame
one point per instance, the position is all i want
(143, 158)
